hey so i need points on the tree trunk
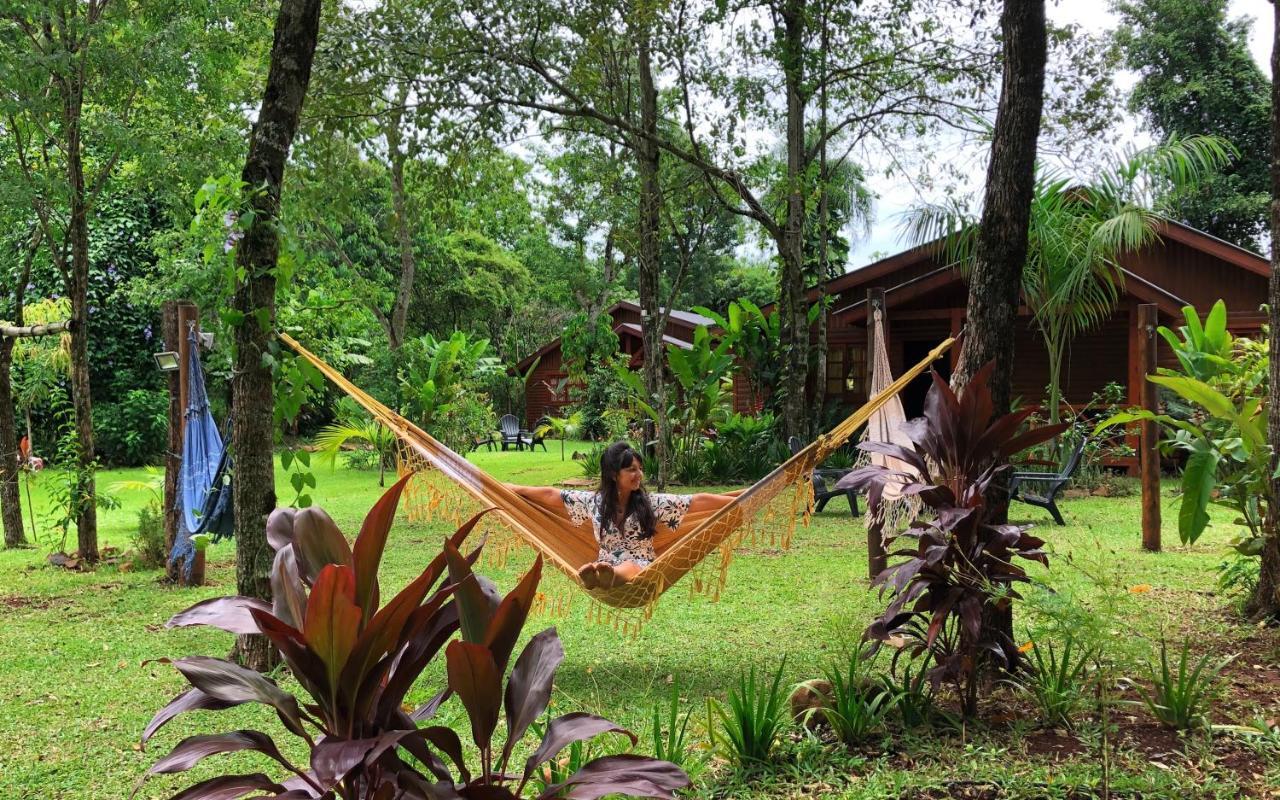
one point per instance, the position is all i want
(1001, 251)
(794, 327)
(1265, 601)
(404, 236)
(77, 280)
(297, 27)
(647, 253)
(824, 252)
(10, 497)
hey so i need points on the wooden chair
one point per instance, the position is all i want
(537, 436)
(1052, 483)
(824, 481)
(509, 427)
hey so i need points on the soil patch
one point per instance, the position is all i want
(1053, 745)
(19, 602)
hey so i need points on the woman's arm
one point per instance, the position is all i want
(548, 496)
(709, 502)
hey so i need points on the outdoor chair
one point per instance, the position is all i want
(487, 442)
(538, 435)
(1047, 484)
(824, 481)
(509, 427)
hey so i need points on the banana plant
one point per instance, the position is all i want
(1228, 456)
(1203, 350)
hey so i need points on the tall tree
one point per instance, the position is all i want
(252, 400)
(10, 499)
(551, 58)
(1197, 76)
(1001, 250)
(1265, 601)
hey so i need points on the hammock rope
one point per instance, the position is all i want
(885, 425)
(449, 487)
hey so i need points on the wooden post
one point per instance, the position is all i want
(1148, 450)
(176, 315)
(876, 558)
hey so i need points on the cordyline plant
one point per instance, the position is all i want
(357, 660)
(960, 569)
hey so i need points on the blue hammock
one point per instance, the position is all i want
(204, 479)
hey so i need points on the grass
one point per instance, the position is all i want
(78, 687)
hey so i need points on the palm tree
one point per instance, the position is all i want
(561, 428)
(351, 424)
(1078, 234)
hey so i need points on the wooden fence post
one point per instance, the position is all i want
(176, 316)
(1149, 433)
(877, 560)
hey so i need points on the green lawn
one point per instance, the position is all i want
(79, 691)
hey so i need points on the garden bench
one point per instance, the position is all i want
(824, 481)
(1052, 483)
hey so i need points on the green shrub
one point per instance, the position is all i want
(134, 431)
(858, 703)
(914, 704)
(1180, 698)
(591, 461)
(1057, 682)
(148, 538)
(751, 724)
(669, 732)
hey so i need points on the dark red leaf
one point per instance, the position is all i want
(333, 619)
(529, 687)
(229, 787)
(446, 741)
(332, 759)
(474, 677)
(191, 700)
(192, 750)
(509, 619)
(235, 684)
(304, 663)
(564, 731)
(288, 591)
(280, 528)
(474, 608)
(231, 614)
(625, 774)
(366, 554)
(318, 542)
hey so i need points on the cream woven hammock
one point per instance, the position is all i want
(885, 425)
(450, 487)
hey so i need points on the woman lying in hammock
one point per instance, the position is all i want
(623, 515)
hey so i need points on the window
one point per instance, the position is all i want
(847, 370)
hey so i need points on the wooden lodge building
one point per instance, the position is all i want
(543, 392)
(924, 302)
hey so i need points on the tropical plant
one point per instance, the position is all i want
(148, 538)
(1180, 697)
(561, 428)
(753, 337)
(960, 568)
(1078, 231)
(753, 721)
(357, 659)
(437, 373)
(914, 704)
(857, 705)
(353, 423)
(1057, 682)
(669, 731)
(1225, 438)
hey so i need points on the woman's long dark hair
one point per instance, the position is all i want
(617, 457)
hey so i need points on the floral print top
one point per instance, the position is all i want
(629, 544)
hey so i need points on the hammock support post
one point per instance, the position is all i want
(877, 559)
(177, 315)
(1148, 448)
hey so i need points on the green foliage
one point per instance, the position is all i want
(68, 474)
(561, 428)
(1057, 682)
(133, 431)
(602, 400)
(438, 380)
(1180, 696)
(753, 721)
(148, 539)
(914, 706)
(745, 448)
(670, 729)
(858, 704)
(1196, 75)
(585, 347)
(354, 424)
(1228, 456)
(297, 463)
(754, 339)
(591, 461)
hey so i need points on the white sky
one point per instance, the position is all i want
(896, 195)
